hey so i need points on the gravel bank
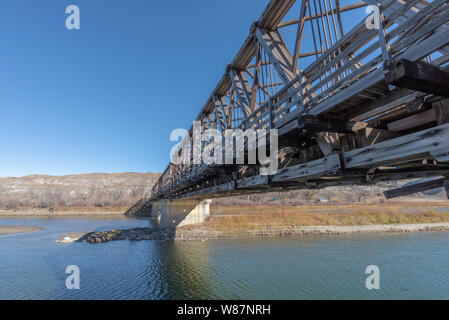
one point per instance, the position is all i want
(198, 234)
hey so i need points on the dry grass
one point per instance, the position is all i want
(261, 217)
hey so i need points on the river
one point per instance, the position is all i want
(32, 265)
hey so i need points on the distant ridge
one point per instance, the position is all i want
(77, 190)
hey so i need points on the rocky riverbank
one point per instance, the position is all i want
(135, 234)
(199, 234)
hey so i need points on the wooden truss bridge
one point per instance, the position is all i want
(353, 103)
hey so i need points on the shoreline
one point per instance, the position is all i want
(286, 232)
(6, 230)
(195, 233)
(57, 213)
(243, 210)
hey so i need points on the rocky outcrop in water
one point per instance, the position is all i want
(135, 234)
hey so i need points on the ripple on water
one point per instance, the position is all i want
(32, 266)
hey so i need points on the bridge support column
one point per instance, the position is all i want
(173, 214)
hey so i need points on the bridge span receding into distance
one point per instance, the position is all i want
(357, 102)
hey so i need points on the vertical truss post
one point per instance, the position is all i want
(243, 90)
(299, 34)
(270, 110)
(256, 77)
(384, 45)
(219, 113)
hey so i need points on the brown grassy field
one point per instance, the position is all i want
(263, 216)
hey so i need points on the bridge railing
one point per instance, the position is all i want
(355, 56)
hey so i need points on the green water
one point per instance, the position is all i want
(32, 265)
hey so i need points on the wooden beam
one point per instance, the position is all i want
(344, 94)
(441, 110)
(413, 121)
(329, 12)
(278, 53)
(386, 103)
(446, 187)
(330, 163)
(316, 124)
(419, 76)
(219, 113)
(243, 90)
(254, 181)
(256, 79)
(419, 145)
(328, 142)
(299, 33)
(415, 188)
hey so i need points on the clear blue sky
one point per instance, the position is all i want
(106, 97)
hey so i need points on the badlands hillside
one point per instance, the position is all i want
(85, 190)
(123, 190)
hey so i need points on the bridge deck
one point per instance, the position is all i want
(347, 112)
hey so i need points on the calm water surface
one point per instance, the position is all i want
(32, 265)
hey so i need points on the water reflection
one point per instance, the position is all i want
(32, 266)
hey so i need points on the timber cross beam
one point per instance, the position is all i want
(419, 187)
(419, 75)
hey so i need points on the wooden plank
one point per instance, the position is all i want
(212, 190)
(327, 164)
(288, 127)
(413, 121)
(371, 136)
(418, 145)
(426, 47)
(273, 14)
(441, 110)
(357, 87)
(313, 124)
(446, 187)
(390, 101)
(415, 188)
(254, 181)
(316, 124)
(419, 76)
(328, 142)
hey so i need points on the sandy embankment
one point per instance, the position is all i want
(17, 229)
(60, 213)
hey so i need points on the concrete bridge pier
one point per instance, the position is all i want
(173, 214)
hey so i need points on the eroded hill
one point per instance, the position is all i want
(85, 190)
